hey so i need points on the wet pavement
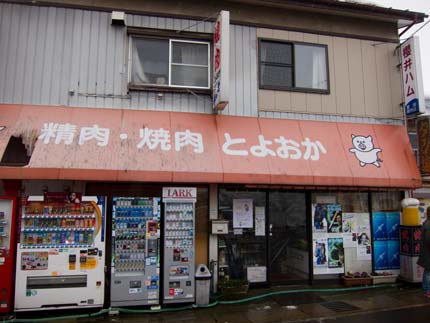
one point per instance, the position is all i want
(283, 304)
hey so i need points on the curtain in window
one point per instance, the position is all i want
(137, 72)
(319, 80)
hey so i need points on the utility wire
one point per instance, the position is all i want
(199, 22)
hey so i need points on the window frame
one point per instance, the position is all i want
(293, 64)
(168, 86)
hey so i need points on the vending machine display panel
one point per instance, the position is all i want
(61, 246)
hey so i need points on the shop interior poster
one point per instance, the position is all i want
(385, 226)
(328, 244)
(260, 221)
(242, 213)
(356, 234)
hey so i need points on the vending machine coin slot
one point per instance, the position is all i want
(135, 284)
(93, 252)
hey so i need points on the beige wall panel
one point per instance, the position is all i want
(370, 78)
(313, 101)
(343, 95)
(281, 34)
(264, 32)
(396, 82)
(328, 101)
(383, 75)
(266, 100)
(282, 100)
(355, 65)
(298, 100)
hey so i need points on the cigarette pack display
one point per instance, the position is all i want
(179, 244)
(135, 251)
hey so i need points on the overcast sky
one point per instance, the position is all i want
(424, 34)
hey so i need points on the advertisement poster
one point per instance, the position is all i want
(393, 250)
(334, 218)
(363, 236)
(379, 226)
(348, 222)
(335, 253)
(320, 252)
(319, 218)
(393, 223)
(242, 213)
(380, 255)
(260, 221)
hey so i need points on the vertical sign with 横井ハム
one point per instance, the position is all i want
(220, 90)
(412, 77)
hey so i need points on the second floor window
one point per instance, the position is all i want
(169, 63)
(293, 66)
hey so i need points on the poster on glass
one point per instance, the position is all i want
(242, 213)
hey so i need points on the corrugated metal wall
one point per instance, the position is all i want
(58, 56)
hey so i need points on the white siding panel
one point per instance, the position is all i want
(102, 53)
(84, 58)
(76, 55)
(51, 51)
(12, 54)
(30, 39)
(48, 54)
(38, 67)
(58, 59)
(16, 91)
(5, 38)
(93, 52)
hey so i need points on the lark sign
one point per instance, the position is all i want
(412, 77)
(220, 93)
(179, 193)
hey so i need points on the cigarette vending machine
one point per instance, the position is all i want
(135, 251)
(7, 251)
(179, 240)
(60, 259)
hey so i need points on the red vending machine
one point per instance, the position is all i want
(7, 251)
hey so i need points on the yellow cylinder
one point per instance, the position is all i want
(410, 216)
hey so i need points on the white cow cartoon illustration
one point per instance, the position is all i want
(364, 150)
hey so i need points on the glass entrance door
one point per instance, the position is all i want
(242, 252)
(288, 250)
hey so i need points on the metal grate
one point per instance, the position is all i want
(338, 306)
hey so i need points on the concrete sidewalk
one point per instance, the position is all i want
(272, 305)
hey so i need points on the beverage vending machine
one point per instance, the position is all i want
(179, 240)
(7, 251)
(135, 251)
(61, 253)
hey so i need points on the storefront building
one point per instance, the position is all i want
(121, 105)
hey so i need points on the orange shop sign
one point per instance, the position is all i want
(130, 145)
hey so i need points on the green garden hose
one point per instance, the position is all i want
(189, 307)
